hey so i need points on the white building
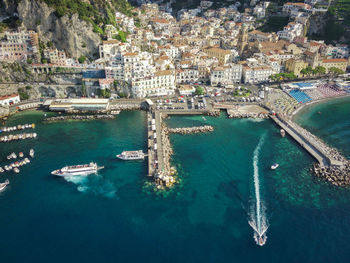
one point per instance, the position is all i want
(9, 99)
(256, 74)
(161, 83)
(187, 75)
(291, 31)
(227, 75)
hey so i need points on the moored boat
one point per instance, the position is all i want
(31, 153)
(4, 185)
(283, 132)
(131, 155)
(16, 170)
(84, 170)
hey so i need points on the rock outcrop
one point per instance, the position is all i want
(67, 33)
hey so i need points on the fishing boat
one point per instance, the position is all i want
(31, 153)
(131, 155)
(4, 185)
(283, 132)
(274, 166)
(84, 169)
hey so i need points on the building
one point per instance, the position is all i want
(79, 104)
(292, 7)
(8, 100)
(56, 57)
(161, 83)
(295, 66)
(243, 39)
(186, 90)
(13, 51)
(256, 74)
(187, 75)
(222, 55)
(340, 63)
(227, 75)
(291, 31)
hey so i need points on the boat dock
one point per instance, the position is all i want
(315, 148)
(155, 153)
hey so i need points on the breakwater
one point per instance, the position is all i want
(189, 130)
(332, 165)
(80, 117)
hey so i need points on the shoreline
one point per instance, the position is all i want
(295, 113)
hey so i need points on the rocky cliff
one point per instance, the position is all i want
(67, 33)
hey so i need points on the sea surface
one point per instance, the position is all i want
(111, 218)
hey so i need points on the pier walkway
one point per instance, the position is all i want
(315, 148)
(155, 151)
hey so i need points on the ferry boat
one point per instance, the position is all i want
(4, 185)
(131, 155)
(283, 132)
(31, 153)
(84, 169)
(274, 166)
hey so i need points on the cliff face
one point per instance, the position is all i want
(67, 33)
(7, 7)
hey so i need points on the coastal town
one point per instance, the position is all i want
(200, 62)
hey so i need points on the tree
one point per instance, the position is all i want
(199, 91)
(319, 70)
(29, 61)
(335, 71)
(81, 59)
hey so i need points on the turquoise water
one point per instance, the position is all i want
(108, 218)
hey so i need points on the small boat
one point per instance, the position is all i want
(20, 154)
(16, 170)
(4, 185)
(31, 153)
(283, 132)
(2, 170)
(274, 166)
(131, 155)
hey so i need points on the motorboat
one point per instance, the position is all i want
(4, 185)
(274, 166)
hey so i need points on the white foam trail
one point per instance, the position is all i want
(258, 219)
(93, 184)
(257, 182)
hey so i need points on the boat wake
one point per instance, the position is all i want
(258, 220)
(92, 184)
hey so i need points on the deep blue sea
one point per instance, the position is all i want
(109, 218)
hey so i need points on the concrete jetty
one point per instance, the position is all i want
(309, 145)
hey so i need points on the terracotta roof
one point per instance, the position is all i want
(130, 54)
(8, 96)
(163, 73)
(334, 60)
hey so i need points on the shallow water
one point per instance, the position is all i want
(108, 218)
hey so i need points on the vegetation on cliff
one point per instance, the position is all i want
(98, 12)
